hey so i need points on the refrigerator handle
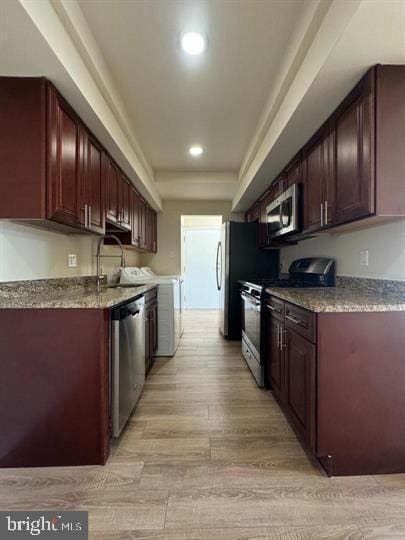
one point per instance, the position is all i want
(219, 250)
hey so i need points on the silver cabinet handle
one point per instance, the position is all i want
(321, 214)
(85, 216)
(270, 307)
(282, 344)
(326, 212)
(89, 217)
(293, 319)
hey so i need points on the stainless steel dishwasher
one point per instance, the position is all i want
(127, 361)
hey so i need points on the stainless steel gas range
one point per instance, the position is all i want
(308, 272)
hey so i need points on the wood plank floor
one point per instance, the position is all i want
(209, 456)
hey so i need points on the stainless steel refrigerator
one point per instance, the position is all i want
(239, 257)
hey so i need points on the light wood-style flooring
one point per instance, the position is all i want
(209, 456)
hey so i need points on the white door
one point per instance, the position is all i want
(200, 250)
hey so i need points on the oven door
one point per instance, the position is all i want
(251, 320)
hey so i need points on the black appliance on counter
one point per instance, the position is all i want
(308, 272)
(239, 257)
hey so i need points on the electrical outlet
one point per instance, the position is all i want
(72, 260)
(364, 257)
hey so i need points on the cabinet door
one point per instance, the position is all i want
(354, 132)
(263, 230)
(154, 327)
(65, 161)
(135, 217)
(124, 202)
(314, 164)
(153, 231)
(329, 184)
(275, 367)
(148, 348)
(142, 223)
(292, 173)
(300, 385)
(93, 185)
(253, 214)
(112, 190)
(148, 235)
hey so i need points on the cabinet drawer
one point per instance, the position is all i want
(275, 306)
(301, 321)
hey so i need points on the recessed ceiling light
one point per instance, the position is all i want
(196, 151)
(193, 43)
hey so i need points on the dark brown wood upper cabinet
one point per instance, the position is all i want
(292, 173)
(54, 171)
(124, 202)
(92, 194)
(153, 231)
(142, 223)
(148, 228)
(319, 180)
(353, 166)
(118, 199)
(263, 231)
(112, 187)
(253, 214)
(65, 161)
(135, 217)
(354, 154)
(314, 173)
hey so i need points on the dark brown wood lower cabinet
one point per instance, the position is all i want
(340, 379)
(54, 387)
(300, 390)
(151, 328)
(291, 374)
(275, 361)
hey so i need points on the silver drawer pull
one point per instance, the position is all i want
(271, 307)
(293, 319)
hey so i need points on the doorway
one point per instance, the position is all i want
(200, 237)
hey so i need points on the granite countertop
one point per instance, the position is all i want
(71, 297)
(340, 299)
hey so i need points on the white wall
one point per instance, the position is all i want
(200, 249)
(28, 252)
(385, 244)
(168, 258)
(202, 222)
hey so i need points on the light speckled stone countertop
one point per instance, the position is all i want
(340, 299)
(72, 298)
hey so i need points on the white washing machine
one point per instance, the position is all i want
(170, 305)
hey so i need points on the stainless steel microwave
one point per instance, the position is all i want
(284, 213)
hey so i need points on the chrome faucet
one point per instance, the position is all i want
(99, 257)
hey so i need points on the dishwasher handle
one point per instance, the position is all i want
(128, 310)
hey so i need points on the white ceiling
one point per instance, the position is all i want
(273, 71)
(375, 34)
(175, 100)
